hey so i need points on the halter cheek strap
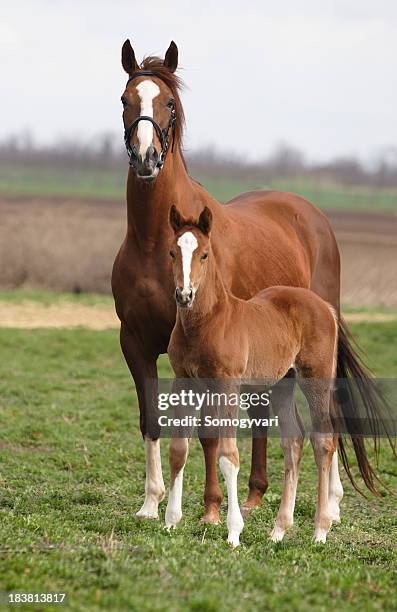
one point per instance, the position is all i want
(162, 133)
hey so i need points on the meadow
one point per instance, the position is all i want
(71, 480)
(45, 180)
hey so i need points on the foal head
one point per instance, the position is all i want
(153, 114)
(190, 252)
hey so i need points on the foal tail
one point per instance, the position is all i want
(358, 423)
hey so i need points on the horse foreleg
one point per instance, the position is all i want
(179, 449)
(144, 372)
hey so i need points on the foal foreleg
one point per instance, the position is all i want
(230, 464)
(179, 449)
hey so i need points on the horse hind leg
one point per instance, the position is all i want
(335, 489)
(212, 492)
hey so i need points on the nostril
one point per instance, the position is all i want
(178, 293)
(190, 294)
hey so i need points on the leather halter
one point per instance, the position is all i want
(163, 134)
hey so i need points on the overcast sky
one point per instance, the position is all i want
(320, 75)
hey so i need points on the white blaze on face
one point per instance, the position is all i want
(188, 244)
(147, 91)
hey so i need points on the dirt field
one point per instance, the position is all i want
(31, 315)
(69, 245)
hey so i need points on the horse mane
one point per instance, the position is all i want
(175, 84)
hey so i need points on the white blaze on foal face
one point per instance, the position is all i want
(188, 244)
(147, 92)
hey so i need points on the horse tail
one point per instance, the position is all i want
(359, 389)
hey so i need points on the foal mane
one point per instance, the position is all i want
(175, 84)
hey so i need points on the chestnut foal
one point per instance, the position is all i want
(222, 337)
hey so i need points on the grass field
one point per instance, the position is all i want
(71, 479)
(110, 184)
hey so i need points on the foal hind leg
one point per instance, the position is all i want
(291, 442)
(335, 489)
(324, 443)
(324, 447)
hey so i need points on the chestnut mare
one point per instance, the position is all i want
(219, 336)
(260, 239)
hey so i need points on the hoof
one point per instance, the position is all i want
(211, 517)
(334, 512)
(234, 540)
(253, 501)
(320, 536)
(172, 518)
(149, 510)
(277, 534)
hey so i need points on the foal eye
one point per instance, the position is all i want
(204, 256)
(172, 254)
(124, 102)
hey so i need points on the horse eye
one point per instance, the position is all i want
(171, 103)
(124, 102)
(172, 254)
(204, 256)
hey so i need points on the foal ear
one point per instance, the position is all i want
(128, 58)
(171, 57)
(176, 219)
(205, 221)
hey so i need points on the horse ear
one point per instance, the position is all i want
(176, 220)
(171, 57)
(205, 221)
(128, 58)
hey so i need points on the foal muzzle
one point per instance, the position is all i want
(184, 297)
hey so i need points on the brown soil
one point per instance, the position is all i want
(69, 245)
(32, 315)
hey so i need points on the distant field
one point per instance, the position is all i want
(110, 184)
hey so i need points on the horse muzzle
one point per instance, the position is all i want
(184, 297)
(146, 168)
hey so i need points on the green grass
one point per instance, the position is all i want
(71, 480)
(47, 181)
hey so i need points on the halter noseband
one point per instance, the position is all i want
(163, 134)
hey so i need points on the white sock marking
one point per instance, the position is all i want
(188, 244)
(154, 485)
(335, 493)
(147, 91)
(173, 513)
(235, 522)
